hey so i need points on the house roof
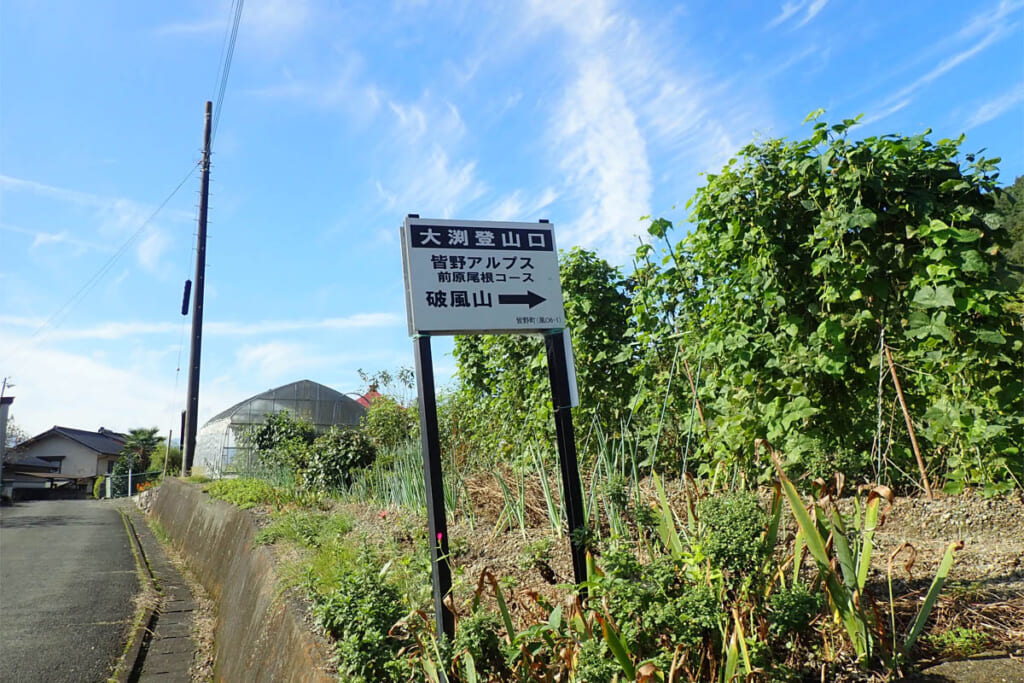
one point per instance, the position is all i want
(368, 398)
(104, 441)
(30, 463)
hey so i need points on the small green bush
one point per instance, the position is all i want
(656, 606)
(359, 613)
(477, 635)
(792, 610)
(732, 526)
(282, 441)
(306, 528)
(243, 493)
(958, 642)
(334, 457)
(388, 423)
(596, 664)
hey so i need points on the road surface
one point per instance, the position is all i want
(67, 578)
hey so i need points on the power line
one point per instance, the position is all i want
(89, 284)
(227, 54)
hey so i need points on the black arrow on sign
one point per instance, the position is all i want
(529, 298)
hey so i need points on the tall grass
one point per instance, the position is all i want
(396, 481)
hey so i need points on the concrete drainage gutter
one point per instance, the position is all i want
(258, 636)
(143, 627)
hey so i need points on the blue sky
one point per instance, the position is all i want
(340, 118)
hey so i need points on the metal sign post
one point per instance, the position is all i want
(565, 435)
(437, 524)
(486, 277)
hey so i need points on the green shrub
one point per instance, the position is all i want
(243, 493)
(958, 642)
(388, 424)
(306, 528)
(98, 487)
(282, 441)
(359, 613)
(173, 458)
(732, 526)
(334, 456)
(657, 606)
(477, 636)
(596, 663)
(792, 610)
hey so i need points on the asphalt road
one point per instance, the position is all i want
(67, 578)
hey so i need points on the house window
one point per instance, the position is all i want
(110, 467)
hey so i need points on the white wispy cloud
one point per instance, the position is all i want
(435, 185)
(629, 97)
(433, 178)
(514, 207)
(584, 20)
(21, 321)
(12, 184)
(990, 18)
(888, 111)
(346, 90)
(112, 218)
(274, 362)
(41, 238)
(606, 157)
(151, 249)
(276, 19)
(118, 395)
(126, 330)
(275, 359)
(411, 119)
(994, 108)
(810, 9)
(352, 322)
(992, 25)
(788, 63)
(264, 23)
(116, 209)
(950, 63)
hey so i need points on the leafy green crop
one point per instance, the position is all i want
(805, 258)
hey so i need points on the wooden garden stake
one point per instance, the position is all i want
(693, 389)
(910, 426)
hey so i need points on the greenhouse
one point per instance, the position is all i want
(218, 447)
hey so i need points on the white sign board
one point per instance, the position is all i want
(480, 277)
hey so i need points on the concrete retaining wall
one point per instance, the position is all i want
(258, 636)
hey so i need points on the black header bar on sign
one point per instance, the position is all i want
(474, 237)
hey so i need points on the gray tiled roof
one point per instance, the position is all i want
(105, 441)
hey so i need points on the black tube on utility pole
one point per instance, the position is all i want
(192, 401)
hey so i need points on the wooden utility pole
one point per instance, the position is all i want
(192, 401)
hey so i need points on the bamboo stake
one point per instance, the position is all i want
(693, 389)
(910, 426)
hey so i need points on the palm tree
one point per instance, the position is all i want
(139, 446)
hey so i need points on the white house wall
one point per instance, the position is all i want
(78, 461)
